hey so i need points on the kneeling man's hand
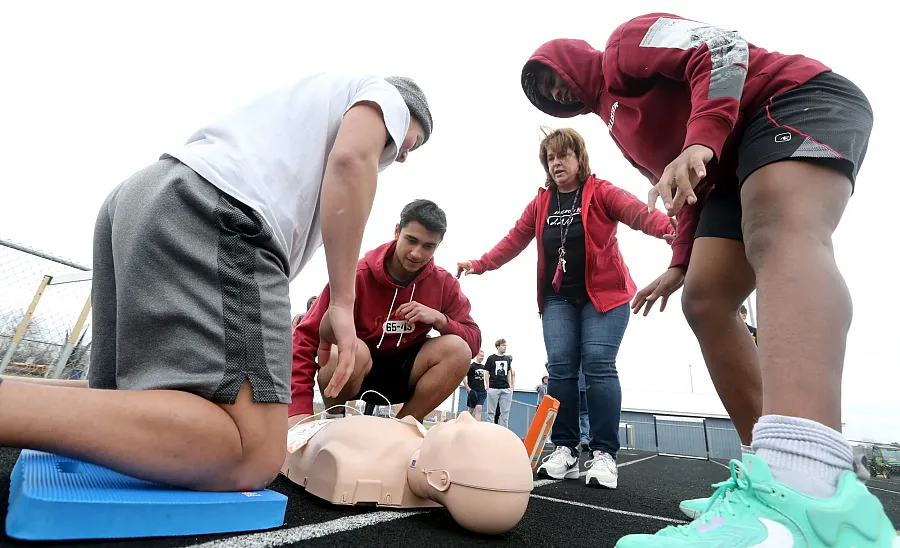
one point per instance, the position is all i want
(414, 313)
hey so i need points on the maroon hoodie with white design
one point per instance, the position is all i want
(376, 318)
(665, 83)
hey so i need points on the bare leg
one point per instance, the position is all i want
(791, 210)
(719, 279)
(477, 413)
(48, 382)
(165, 436)
(439, 368)
(360, 369)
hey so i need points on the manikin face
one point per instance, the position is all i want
(415, 246)
(563, 167)
(414, 137)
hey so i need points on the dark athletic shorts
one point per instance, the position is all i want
(476, 397)
(190, 291)
(390, 376)
(826, 121)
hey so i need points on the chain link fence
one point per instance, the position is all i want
(44, 314)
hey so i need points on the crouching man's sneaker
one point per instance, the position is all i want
(759, 511)
(561, 464)
(602, 471)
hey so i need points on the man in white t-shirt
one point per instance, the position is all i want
(192, 259)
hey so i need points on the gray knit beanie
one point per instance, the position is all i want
(415, 101)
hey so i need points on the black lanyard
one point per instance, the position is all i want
(564, 230)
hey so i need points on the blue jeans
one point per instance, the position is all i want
(584, 422)
(578, 337)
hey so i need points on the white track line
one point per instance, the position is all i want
(885, 490)
(613, 510)
(550, 481)
(281, 537)
(720, 464)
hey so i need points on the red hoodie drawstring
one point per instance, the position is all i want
(410, 300)
(390, 311)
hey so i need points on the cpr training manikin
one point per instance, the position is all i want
(480, 472)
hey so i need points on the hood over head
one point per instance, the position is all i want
(581, 68)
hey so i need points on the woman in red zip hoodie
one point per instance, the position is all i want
(583, 291)
(757, 154)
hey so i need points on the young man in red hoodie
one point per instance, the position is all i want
(401, 296)
(756, 154)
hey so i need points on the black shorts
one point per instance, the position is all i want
(826, 121)
(476, 397)
(390, 376)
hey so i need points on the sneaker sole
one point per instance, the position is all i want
(571, 474)
(594, 482)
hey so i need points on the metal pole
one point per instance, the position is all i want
(20, 332)
(751, 309)
(73, 338)
(691, 375)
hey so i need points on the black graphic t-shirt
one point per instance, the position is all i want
(752, 332)
(475, 377)
(558, 215)
(498, 368)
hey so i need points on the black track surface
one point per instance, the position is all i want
(565, 513)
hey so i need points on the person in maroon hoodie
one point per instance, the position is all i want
(756, 154)
(401, 296)
(583, 291)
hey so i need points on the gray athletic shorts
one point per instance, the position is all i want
(190, 291)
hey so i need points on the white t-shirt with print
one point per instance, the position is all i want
(270, 153)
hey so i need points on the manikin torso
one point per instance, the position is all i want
(365, 460)
(359, 460)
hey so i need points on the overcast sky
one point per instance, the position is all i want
(92, 92)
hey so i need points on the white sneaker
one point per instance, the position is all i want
(602, 471)
(561, 464)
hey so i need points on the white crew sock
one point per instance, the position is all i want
(802, 454)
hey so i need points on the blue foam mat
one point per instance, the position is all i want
(56, 498)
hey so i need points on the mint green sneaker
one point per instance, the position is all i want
(693, 508)
(752, 509)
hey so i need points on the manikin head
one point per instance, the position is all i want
(487, 496)
(418, 234)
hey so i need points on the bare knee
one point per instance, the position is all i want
(261, 467)
(261, 444)
(789, 205)
(457, 355)
(718, 281)
(703, 306)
